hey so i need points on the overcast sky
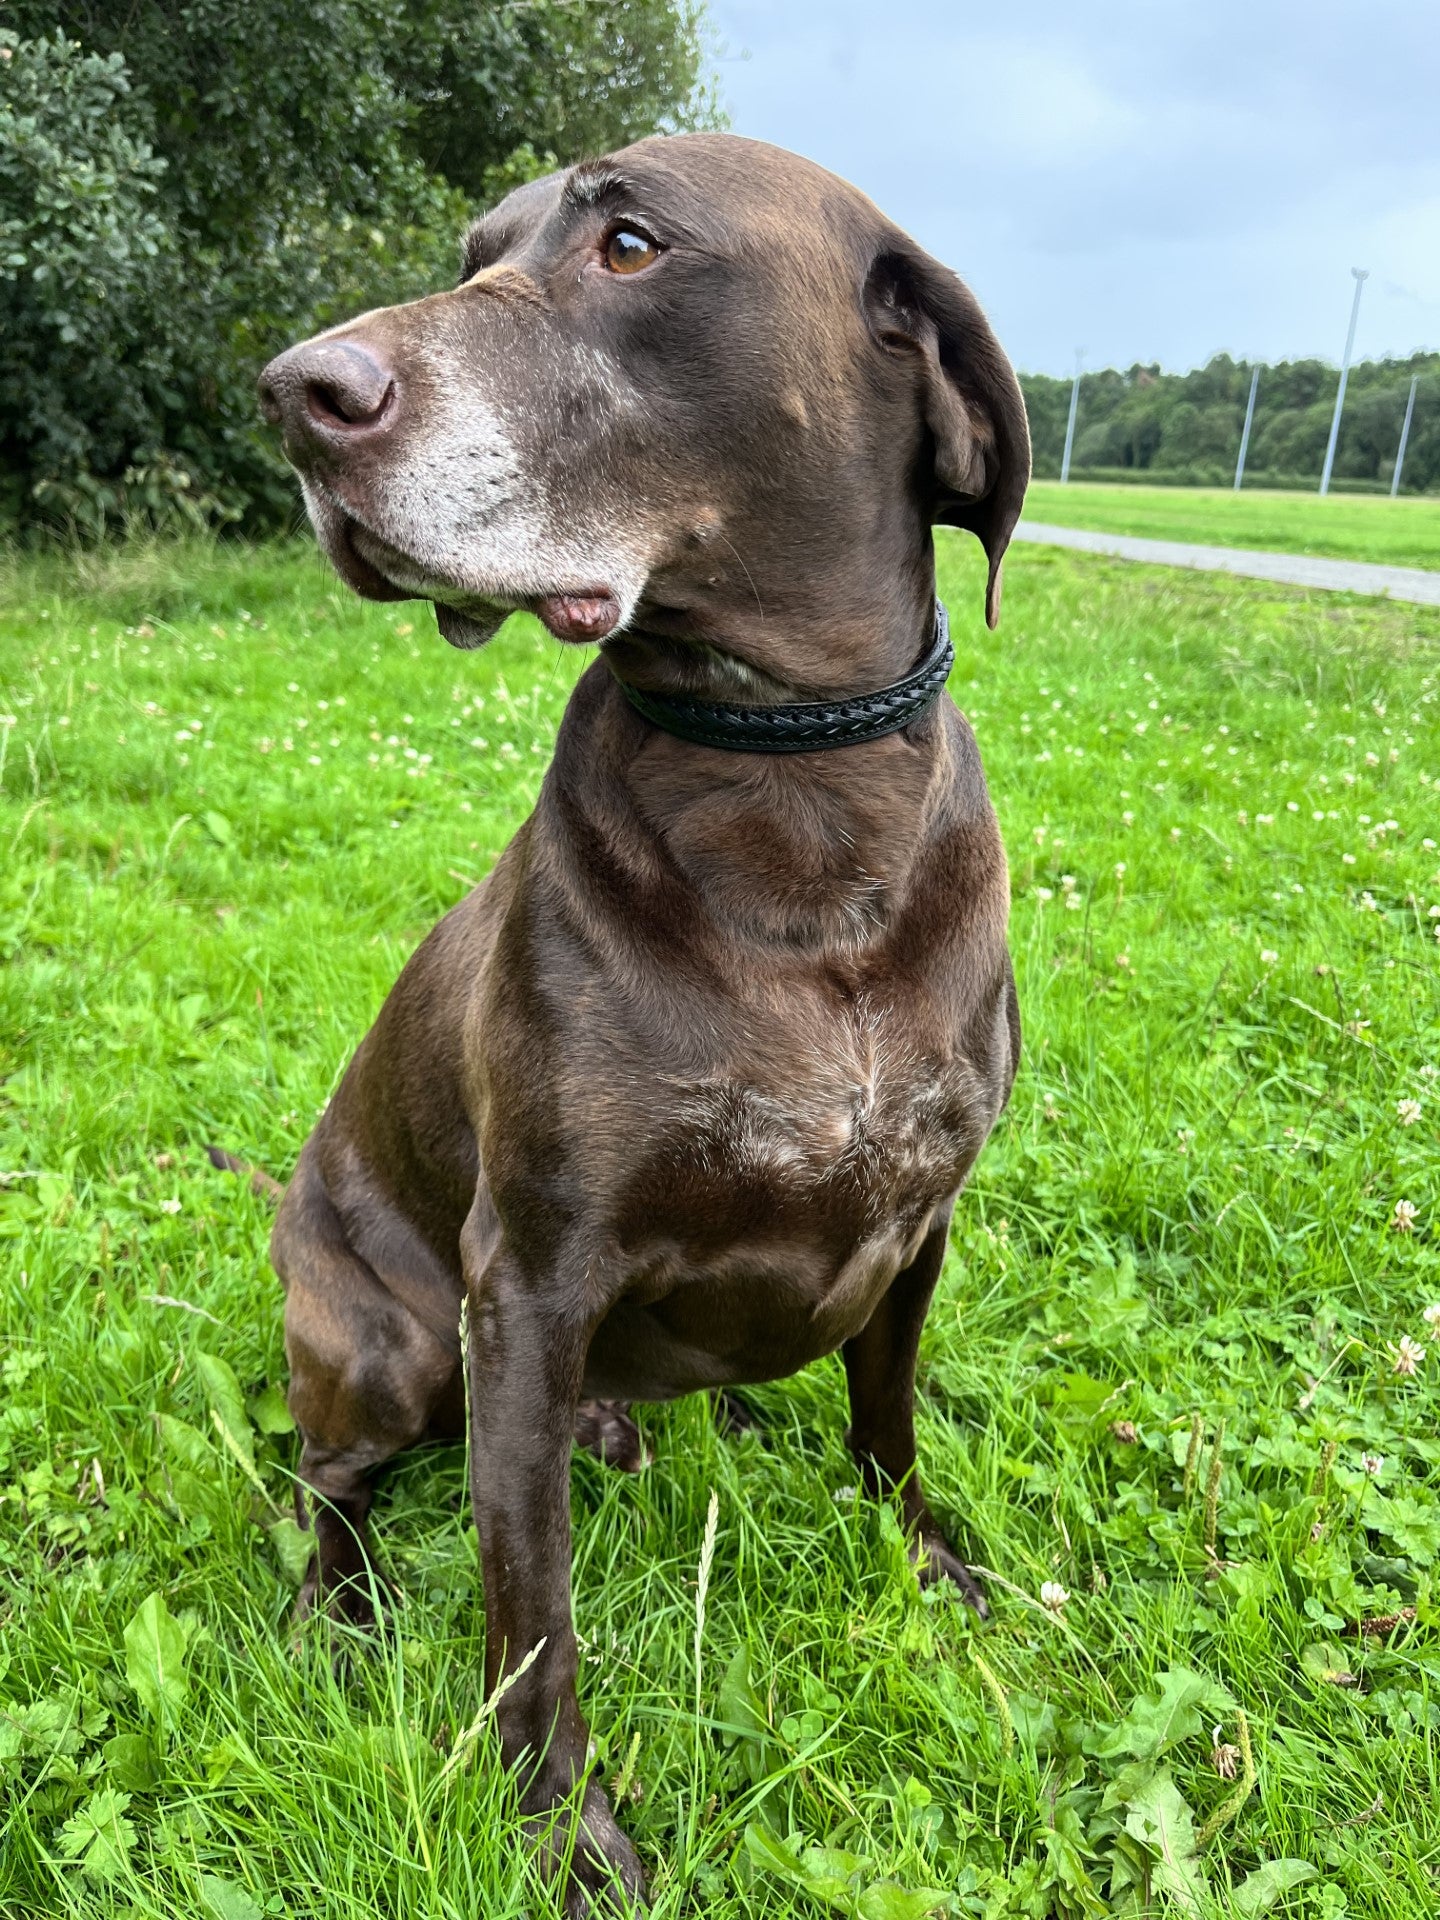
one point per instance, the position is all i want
(1146, 179)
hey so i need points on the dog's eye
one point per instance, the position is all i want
(629, 252)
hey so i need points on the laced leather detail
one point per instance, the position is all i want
(804, 726)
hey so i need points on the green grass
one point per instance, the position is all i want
(1397, 533)
(231, 801)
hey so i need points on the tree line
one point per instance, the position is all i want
(187, 185)
(1184, 428)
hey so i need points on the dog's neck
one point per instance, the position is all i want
(815, 852)
(812, 852)
(776, 646)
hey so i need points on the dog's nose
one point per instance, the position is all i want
(329, 391)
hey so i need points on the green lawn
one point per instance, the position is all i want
(1397, 533)
(1161, 1370)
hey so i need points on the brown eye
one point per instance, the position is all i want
(627, 252)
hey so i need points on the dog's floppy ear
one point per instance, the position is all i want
(972, 402)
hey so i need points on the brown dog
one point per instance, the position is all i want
(683, 1095)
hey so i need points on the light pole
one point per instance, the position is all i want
(1404, 436)
(1245, 430)
(1361, 276)
(1070, 423)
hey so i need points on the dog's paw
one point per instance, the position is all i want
(934, 1560)
(604, 1428)
(603, 1878)
(363, 1601)
(734, 1415)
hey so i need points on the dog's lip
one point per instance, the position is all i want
(358, 569)
(366, 578)
(584, 614)
(380, 560)
(391, 563)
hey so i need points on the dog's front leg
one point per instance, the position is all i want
(526, 1364)
(880, 1372)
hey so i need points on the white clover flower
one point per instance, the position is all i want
(1403, 1218)
(1407, 1355)
(1408, 1112)
(1431, 1317)
(1053, 1596)
(1371, 1463)
(1268, 956)
(169, 1206)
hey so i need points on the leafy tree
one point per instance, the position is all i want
(203, 180)
(546, 77)
(82, 251)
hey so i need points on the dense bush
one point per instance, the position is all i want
(1185, 428)
(185, 185)
(83, 253)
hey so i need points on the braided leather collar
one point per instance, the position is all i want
(804, 726)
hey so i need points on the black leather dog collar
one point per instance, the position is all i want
(804, 726)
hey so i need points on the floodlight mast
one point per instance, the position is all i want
(1245, 430)
(1361, 276)
(1070, 423)
(1404, 436)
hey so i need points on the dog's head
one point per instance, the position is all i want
(674, 390)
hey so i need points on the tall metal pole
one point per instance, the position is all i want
(1361, 276)
(1245, 430)
(1404, 436)
(1070, 424)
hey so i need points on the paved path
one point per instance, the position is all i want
(1294, 569)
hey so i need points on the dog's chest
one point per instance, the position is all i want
(865, 1145)
(842, 1134)
(770, 1205)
